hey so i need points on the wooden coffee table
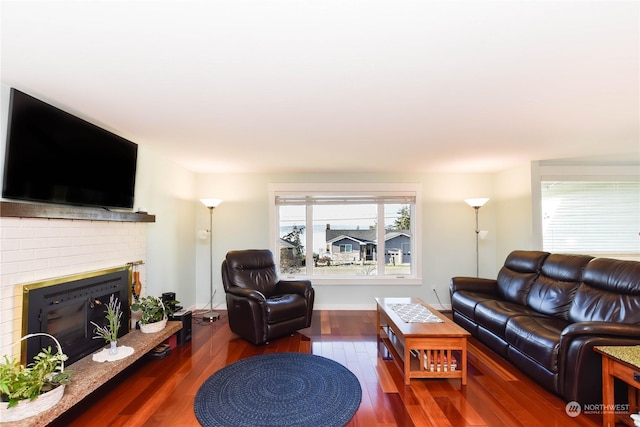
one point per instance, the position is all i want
(421, 350)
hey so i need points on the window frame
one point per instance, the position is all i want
(415, 189)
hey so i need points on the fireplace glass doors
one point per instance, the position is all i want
(65, 308)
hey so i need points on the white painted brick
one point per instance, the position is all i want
(6, 292)
(10, 244)
(47, 253)
(35, 223)
(9, 268)
(17, 233)
(35, 243)
(16, 256)
(6, 304)
(34, 266)
(60, 242)
(47, 232)
(39, 249)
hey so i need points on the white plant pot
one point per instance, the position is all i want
(151, 328)
(28, 408)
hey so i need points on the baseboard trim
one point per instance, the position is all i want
(372, 306)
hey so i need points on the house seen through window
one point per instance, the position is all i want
(334, 234)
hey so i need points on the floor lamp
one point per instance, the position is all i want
(210, 316)
(477, 204)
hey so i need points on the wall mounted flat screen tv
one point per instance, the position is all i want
(53, 156)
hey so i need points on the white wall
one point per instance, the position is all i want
(514, 212)
(242, 222)
(166, 190)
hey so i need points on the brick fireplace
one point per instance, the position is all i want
(66, 308)
(37, 249)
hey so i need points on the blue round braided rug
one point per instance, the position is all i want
(279, 389)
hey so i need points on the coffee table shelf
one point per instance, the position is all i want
(421, 350)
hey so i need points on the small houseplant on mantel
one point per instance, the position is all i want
(109, 332)
(154, 313)
(28, 390)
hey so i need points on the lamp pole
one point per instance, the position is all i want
(210, 316)
(477, 208)
(476, 204)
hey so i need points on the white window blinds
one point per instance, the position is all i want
(598, 217)
(344, 199)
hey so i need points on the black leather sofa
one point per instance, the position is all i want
(545, 312)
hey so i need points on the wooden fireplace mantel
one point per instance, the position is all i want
(29, 210)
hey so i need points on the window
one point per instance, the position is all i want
(343, 232)
(601, 218)
(346, 248)
(592, 210)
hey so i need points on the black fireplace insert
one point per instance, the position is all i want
(66, 307)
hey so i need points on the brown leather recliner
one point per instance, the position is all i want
(260, 305)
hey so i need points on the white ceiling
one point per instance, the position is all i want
(339, 86)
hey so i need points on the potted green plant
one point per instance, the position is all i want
(154, 313)
(29, 390)
(109, 332)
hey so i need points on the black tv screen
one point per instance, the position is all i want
(53, 156)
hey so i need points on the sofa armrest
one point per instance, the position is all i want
(610, 329)
(302, 287)
(475, 284)
(605, 333)
(577, 356)
(247, 293)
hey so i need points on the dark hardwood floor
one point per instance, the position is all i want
(161, 392)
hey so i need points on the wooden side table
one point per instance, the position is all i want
(621, 362)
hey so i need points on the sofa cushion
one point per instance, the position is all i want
(553, 291)
(520, 270)
(465, 302)
(494, 314)
(610, 292)
(538, 337)
(285, 307)
(543, 376)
